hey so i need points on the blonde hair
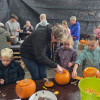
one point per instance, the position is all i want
(73, 18)
(64, 22)
(6, 52)
(99, 26)
(59, 32)
(42, 16)
(70, 39)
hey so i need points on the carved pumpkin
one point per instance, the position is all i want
(82, 41)
(25, 88)
(90, 72)
(50, 84)
(98, 74)
(62, 78)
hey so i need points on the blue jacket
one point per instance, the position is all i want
(11, 73)
(75, 30)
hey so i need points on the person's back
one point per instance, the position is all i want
(43, 22)
(4, 38)
(38, 39)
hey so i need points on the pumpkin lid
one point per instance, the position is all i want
(25, 82)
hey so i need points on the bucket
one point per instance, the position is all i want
(14, 40)
(90, 83)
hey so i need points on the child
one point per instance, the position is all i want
(66, 55)
(97, 32)
(64, 24)
(89, 57)
(10, 71)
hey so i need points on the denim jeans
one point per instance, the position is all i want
(76, 42)
(36, 70)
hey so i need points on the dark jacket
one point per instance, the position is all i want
(64, 56)
(4, 38)
(11, 73)
(35, 46)
(25, 29)
(75, 31)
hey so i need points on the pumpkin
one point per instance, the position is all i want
(50, 84)
(90, 72)
(62, 78)
(25, 88)
(82, 41)
(98, 74)
(85, 42)
(9, 42)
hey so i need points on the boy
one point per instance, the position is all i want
(10, 71)
(89, 57)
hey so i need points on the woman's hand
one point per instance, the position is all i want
(59, 69)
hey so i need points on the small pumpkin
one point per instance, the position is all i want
(48, 84)
(89, 72)
(82, 41)
(63, 78)
(25, 88)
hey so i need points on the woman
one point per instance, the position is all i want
(28, 28)
(4, 37)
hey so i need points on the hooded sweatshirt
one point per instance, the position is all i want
(42, 23)
(4, 38)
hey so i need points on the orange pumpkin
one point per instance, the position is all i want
(90, 72)
(50, 84)
(82, 41)
(25, 88)
(9, 42)
(98, 74)
(86, 42)
(62, 78)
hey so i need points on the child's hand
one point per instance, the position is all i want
(70, 64)
(74, 74)
(2, 81)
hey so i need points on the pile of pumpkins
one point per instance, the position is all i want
(83, 41)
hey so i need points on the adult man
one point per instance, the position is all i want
(33, 50)
(12, 26)
(43, 22)
(75, 31)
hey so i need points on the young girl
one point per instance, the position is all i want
(97, 32)
(65, 25)
(90, 56)
(66, 55)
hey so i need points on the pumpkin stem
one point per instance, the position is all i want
(46, 80)
(25, 81)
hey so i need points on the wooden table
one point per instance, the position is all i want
(67, 92)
